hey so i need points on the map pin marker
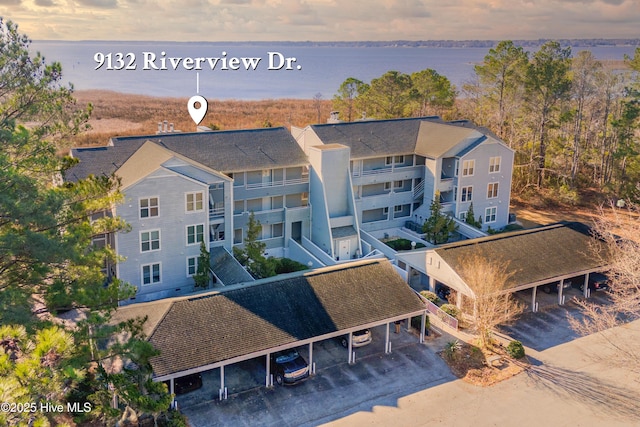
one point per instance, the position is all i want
(197, 113)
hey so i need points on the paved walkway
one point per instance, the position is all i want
(572, 384)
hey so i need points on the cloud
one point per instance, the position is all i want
(9, 2)
(103, 4)
(44, 3)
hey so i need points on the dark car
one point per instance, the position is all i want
(597, 282)
(289, 367)
(186, 384)
(359, 338)
(555, 287)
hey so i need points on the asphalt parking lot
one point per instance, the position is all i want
(336, 390)
(339, 390)
(550, 327)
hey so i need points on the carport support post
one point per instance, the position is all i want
(423, 323)
(311, 358)
(222, 393)
(350, 348)
(386, 340)
(585, 287)
(171, 387)
(533, 298)
(560, 289)
(268, 369)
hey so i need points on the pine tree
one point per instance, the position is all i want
(439, 227)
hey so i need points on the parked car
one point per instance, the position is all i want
(597, 282)
(554, 287)
(289, 367)
(359, 338)
(186, 384)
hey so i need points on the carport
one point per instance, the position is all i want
(217, 329)
(537, 257)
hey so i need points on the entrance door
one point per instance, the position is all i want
(296, 231)
(344, 251)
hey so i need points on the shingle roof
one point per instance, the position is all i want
(224, 151)
(219, 326)
(426, 136)
(372, 138)
(534, 255)
(227, 268)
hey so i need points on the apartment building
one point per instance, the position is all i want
(313, 191)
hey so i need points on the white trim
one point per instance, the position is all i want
(495, 191)
(470, 165)
(195, 234)
(140, 217)
(469, 194)
(497, 163)
(186, 203)
(150, 240)
(495, 214)
(195, 258)
(159, 264)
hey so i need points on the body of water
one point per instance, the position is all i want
(254, 73)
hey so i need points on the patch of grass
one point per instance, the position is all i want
(402, 244)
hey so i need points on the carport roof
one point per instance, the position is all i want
(534, 255)
(218, 326)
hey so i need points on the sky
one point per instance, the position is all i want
(322, 20)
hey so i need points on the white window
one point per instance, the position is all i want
(388, 161)
(151, 274)
(195, 234)
(494, 164)
(467, 194)
(398, 160)
(387, 186)
(149, 207)
(492, 190)
(462, 216)
(237, 236)
(192, 266)
(490, 214)
(385, 211)
(467, 167)
(397, 208)
(195, 201)
(398, 184)
(455, 194)
(455, 173)
(150, 241)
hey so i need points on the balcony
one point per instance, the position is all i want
(267, 184)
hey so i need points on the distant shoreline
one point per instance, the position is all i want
(448, 44)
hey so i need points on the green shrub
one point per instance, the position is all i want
(452, 349)
(431, 296)
(417, 320)
(451, 310)
(287, 265)
(515, 349)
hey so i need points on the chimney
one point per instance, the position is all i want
(165, 126)
(170, 127)
(334, 117)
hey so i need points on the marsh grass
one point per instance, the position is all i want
(118, 114)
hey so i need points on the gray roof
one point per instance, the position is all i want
(346, 231)
(227, 268)
(427, 136)
(224, 151)
(218, 326)
(536, 254)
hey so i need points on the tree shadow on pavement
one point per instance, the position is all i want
(587, 390)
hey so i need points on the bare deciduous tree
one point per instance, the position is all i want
(494, 303)
(619, 231)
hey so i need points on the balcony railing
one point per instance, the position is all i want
(216, 212)
(276, 183)
(418, 190)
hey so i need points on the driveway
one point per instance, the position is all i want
(336, 390)
(571, 383)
